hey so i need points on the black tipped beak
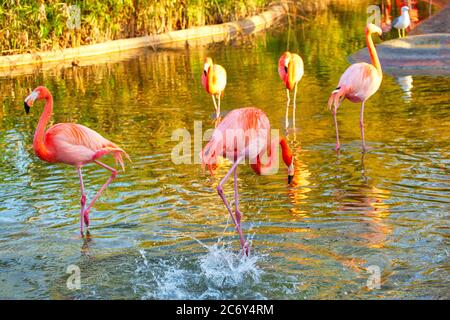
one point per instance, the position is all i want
(290, 178)
(26, 107)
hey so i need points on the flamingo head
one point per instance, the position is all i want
(371, 28)
(208, 63)
(37, 94)
(287, 60)
(288, 159)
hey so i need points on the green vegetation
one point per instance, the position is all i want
(30, 25)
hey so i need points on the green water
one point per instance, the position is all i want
(313, 240)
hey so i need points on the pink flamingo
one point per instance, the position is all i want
(214, 80)
(358, 83)
(290, 69)
(72, 144)
(245, 133)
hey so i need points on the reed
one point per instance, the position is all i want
(38, 25)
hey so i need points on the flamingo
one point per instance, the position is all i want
(214, 80)
(72, 144)
(245, 133)
(402, 22)
(290, 69)
(358, 83)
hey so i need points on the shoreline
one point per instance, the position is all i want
(187, 37)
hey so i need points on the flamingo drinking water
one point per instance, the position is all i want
(214, 80)
(358, 83)
(72, 144)
(290, 69)
(245, 133)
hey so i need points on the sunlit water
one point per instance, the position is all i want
(158, 231)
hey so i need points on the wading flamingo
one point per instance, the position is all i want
(245, 133)
(290, 69)
(358, 83)
(402, 22)
(72, 144)
(214, 80)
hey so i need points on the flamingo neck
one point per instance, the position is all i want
(39, 136)
(268, 167)
(210, 78)
(373, 53)
(290, 76)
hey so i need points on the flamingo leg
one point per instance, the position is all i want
(287, 108)
(111, 178)
(338, 145)
(218, 106)
(215, 104)
(361, 125)
(294, 105)
(245, 248)
(236, 198)
(237, 219)
(83, 199)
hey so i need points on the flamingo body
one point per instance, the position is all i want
(290, 69)
(244, 134)
(238, 121)
(76, 145)
(358, 83)
(71, 144)
(361, 80)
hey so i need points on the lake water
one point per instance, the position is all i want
(158, 230)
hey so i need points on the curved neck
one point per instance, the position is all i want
(271, 165)
(210, 77)
(373, 53)
(38, 141)
(290, 75)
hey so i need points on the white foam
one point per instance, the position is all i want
(211, 276)
(224, 268)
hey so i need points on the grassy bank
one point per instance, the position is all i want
(38, 25)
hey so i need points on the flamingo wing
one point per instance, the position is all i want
(219, 79)
(76, 144)
(361, 80)
(243, 132)
(297, 64)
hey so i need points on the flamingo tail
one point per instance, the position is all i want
(116, 152)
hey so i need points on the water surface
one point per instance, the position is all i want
(158, 231)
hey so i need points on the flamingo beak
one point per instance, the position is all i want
(290, 178)
(205, 68)
(27, 107)
(29, 101)
(291, 172)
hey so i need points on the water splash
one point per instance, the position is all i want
(225, 268)
(218, 274)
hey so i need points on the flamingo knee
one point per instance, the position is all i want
(83, 200)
